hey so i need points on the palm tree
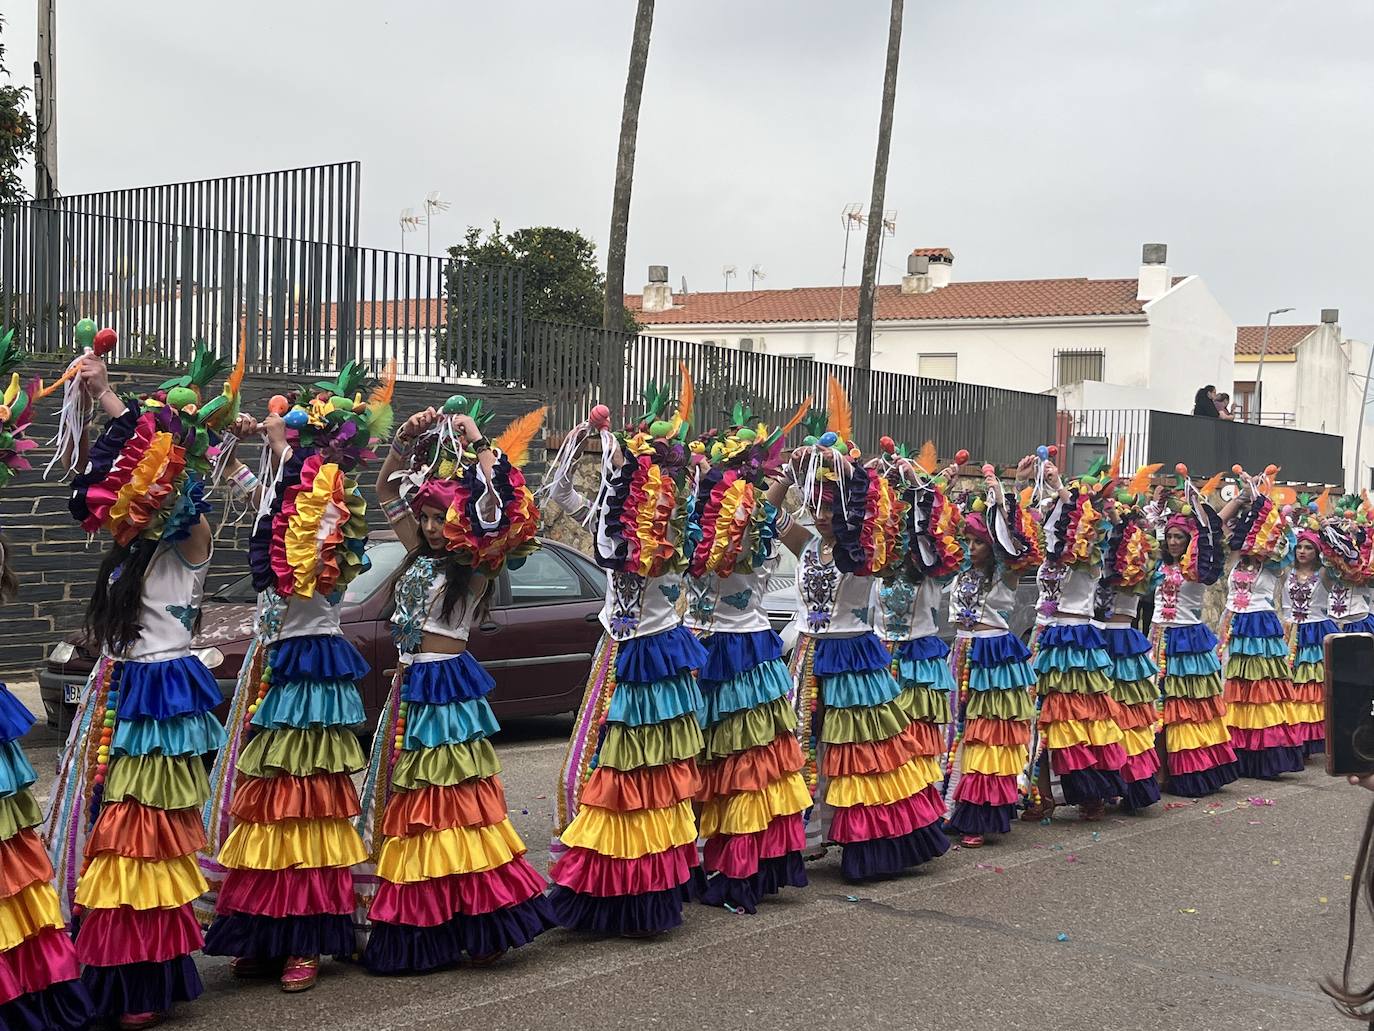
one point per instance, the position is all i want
(613, 312)
(863, 336)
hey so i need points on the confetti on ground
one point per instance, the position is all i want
(1253, 823)
(1071, 858)
(1045, 821)
(732, 909)
(524, 811)
(1274, 862)
(1189, 910)
(1062, 937)
(1322, 899)
(1177, 805)
(1097, 835)
(1256, 800)
(1347, 877)
(541, 796)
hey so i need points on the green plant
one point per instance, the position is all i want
(16, 134)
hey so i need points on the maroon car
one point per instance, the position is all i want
(536, 641)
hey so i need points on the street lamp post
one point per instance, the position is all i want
(1259, 372)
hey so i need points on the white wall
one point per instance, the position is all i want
(1090, 395)
(1192, 343)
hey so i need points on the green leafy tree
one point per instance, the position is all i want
(562, 286)
(16, 133)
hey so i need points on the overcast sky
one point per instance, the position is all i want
(1033, 138)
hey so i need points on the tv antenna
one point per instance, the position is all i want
(434, 204)
(889, 229)
(410, 222)
(852, 217)
(756, 272)
(729, 272)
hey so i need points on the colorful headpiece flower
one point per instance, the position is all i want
(16, 411)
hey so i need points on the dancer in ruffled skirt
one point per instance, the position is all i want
(1306, 626)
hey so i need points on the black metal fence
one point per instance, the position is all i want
(993, 424)
(318, 203)
(1205, 445)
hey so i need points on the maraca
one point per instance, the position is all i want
(277, 405)
(1053, 449)
(104, 342)
(960, 456)
(888, 445)
(600, 418)
(828, 438)
(1043, 453)
(296, 418)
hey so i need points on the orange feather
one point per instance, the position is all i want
(514, 440)
(928, 459)
(1114, 470)
(840, 416)
(686, 396)
(234, 383)
(1324, 502)
(1140, 482)
(1210, 485)
(796, 419)
(1025, 497)
(383, 391)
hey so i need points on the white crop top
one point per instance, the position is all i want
(1251, 590)
(1304, 601)
(638, 606)
(831, 603)
(732, 604)
(295, 616)
(1124, 603)
(1065, 590)
(906, 610)
(1178, 601)
(1345, 602)
(420, 606)
(979, 597)
(172, 592)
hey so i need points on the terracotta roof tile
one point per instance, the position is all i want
(1282, 339)
(934, 252)
(1000, 299)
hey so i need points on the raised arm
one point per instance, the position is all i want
(95, 382)
(793, 535)
(388, 493)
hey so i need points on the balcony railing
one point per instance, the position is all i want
(1205, 445)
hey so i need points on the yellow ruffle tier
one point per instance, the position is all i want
(750, 811)
(1068, 733)
(995, 760)
(1137, 741)
(454, 850)
(1184, 737)
(302, 844)
(26, 913)
(631, 835)
(111, 881)
(1257, 717)
(884, 788)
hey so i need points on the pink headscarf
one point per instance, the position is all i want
(434, 494)
(1187, 524)
(1311, 537)
(976, 526)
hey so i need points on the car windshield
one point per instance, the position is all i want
(385, 556)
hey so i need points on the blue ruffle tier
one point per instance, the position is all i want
(748, 690)
(316, 657)
(164, 689)
(429, 726)
(15, 719)
(181, 735)
(1363, 625)
(643, 660)
(639, 704)
(1125, 641)
(1314, 635)
(304, 704)
(458, 679)
(1256, 624)
(999, 663)
(866, 688)
(850, 655)
(729, 654)
(923, 648)
(932, 673)
(1194, 639)
(16, 773)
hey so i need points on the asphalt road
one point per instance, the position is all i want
(1216, 915)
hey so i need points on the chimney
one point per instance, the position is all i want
(917, 278)
(1154, 273)
(658, 295)
(1331, 316)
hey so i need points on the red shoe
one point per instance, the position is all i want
(139, 1021)
(972, 841)
(300, 973)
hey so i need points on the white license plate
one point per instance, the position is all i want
(71, 693)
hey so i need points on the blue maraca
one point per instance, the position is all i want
(296, 419)
(829, 438)
(1043, 453)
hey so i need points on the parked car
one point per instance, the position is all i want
(537, 640)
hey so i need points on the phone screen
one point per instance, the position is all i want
(1350, 704)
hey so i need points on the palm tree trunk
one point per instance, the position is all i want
(612, 316)
(863, 332)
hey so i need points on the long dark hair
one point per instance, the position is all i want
(1203, 404)
(457, 581)
(112, 616)
(1356, 1002)
(9, 582)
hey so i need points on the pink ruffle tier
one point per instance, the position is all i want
(36, 963)
(113, 937)
(868, 822)
(292, 892)
(739, 855)
(591, 873)
(1087, 757)
(437, 901)
(1197, 760)
(986, 789)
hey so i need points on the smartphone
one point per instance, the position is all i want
(1350, 705)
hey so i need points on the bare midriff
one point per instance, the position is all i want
(438, 644)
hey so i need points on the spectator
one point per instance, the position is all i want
(1205, 403)
(1223, 402)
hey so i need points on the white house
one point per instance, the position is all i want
(1312, 378)
(1144, 342)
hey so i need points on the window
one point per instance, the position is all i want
(1077, 366)
(544, 579)
(938, 366)
(1244, 400)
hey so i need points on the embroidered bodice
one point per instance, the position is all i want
(831, 603)
(172, 593)
(732, 604)
(420, 604)
(906, 609)
(1066, 590)
(1250, 588)
(295, 616)
(1178, 600)
(1304, 601)
(979, 597)
(638, 606)
(1346, 602)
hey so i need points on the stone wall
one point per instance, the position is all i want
(56, 564)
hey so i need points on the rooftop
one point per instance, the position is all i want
(995, 299)
(1282, 339)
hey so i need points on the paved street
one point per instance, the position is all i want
(1213, 915)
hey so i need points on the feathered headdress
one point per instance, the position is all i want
(1132, 553)
(311, 533)
(999, 517)
(16, 411)
(145, 475)
(1073, 529)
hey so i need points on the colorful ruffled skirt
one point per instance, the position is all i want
(989, 743)
(752, 793)
(130, 791)
(1307, 658)
(453, 878)
(1136, 711)
(865, 739)
(40, 980)
(289, 886)
(1077, 723)
(1362, 625)
(626, 854)
(1260, 698)
(1196, 741)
